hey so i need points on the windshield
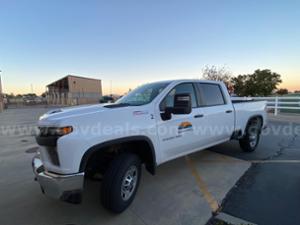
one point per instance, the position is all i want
(144, 94)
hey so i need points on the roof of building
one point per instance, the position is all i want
(75, 76)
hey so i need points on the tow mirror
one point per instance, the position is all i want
(182, 104)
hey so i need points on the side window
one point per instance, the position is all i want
(186, 88)
(211, 94)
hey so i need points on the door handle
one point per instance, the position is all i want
(229, 111)
(199, 116)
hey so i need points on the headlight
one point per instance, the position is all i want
(55, 131)
(64, 131)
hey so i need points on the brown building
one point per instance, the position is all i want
(74, 90)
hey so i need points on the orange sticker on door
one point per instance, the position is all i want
(184, 126)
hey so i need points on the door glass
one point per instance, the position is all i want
(186, 88)
(212, 94)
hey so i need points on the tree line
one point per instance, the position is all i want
(259, 83)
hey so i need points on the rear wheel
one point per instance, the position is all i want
(252, 135)
(121, 182)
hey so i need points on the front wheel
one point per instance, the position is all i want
(121, 182)
(252, 135)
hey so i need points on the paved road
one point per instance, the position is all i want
(177, 195)
(269, 192)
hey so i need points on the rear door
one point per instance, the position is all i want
(218, 114)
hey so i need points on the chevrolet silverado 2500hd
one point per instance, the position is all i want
(151, 125)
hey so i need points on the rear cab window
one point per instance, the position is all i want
(211, 94)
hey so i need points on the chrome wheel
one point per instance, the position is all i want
(253, 135)
(253, 140)
(129, 183)
(250, 140)
(120, 182)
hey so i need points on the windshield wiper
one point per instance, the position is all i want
(117, 105)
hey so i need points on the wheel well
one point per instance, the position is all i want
(238, 134)
(98, 157)
(254, 118)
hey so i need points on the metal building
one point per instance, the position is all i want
(74, 90)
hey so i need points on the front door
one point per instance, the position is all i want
(176, 135)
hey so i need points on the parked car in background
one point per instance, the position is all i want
(107, 99)
(32, 100)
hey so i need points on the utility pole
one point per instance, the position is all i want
(111, 88)
(31, 88)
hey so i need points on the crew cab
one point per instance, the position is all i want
(153, 124)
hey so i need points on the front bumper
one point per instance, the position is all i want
(64, 187)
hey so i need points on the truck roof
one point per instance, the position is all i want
(188, 80)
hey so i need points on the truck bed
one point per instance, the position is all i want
(245, 109)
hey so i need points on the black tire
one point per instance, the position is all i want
(251, 138)
(113, 196)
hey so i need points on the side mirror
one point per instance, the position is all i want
(182, 104)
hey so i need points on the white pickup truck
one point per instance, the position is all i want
(153, 124)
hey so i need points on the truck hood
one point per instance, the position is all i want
(63, 116)
(56, 115)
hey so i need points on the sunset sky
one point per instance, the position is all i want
(133, 42)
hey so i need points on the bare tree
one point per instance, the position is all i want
(216, 73)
